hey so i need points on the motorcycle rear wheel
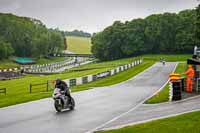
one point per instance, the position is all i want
(72, 104)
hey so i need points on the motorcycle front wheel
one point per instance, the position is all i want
(57, 106)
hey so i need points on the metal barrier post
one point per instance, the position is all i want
(47, 86)
(3, 90)
(30, 88)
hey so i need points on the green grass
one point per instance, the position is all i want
(163, 95)
(186, 123)
(18, 89)
(51, 60)
(79, 45)
(181, 68)
(10, 64)
(125, 75)
(169, 58)
(105, 64)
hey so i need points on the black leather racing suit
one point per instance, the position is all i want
(63, 87)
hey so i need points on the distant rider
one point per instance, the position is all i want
(63, 87)
(163, 62)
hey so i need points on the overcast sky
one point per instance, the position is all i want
(90, 15)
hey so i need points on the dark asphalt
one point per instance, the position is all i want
(94, 107)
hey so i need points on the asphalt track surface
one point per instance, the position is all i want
(149, 112)
(94, 108)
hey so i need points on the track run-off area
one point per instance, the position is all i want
(95, 108)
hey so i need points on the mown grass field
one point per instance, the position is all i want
(186, 123)
(79, 45)
(163, 95)
(18, 89)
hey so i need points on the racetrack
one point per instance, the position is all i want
(94, 108)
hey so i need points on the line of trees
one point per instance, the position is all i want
(77, 33)
(197, 29)
(168, 33)
(22, 36)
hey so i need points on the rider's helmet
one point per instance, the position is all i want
(58, 81)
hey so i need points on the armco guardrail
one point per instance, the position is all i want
(9, 70)
(90, 78)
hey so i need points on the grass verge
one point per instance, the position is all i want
(163, 95)
(18, 89)
(51, 60)
(169, 58)
(186, 123)
(125, 75)
(10, 64)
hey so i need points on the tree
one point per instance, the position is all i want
(5, 48)
(197, 26)
(185, 32)
(40, 46)
(158, 33)
(56, 43)
(98, 41)
(134, 41)
(107, 44)
(77, 33)
(29, 37)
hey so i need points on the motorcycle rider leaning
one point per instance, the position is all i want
(63, 87)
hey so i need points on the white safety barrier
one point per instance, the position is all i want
(122, 68)
(170, 91)
(79, 81)
(117, 69)
(66, 81)
(112, 72)
(90, 78)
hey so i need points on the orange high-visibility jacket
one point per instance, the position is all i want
(190, 73)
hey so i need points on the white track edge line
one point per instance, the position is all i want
(117, 117)
(149, 120)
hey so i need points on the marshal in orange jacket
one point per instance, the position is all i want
(190, 76)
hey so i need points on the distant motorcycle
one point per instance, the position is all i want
(62, 102)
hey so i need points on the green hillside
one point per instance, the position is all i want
(80, 45)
